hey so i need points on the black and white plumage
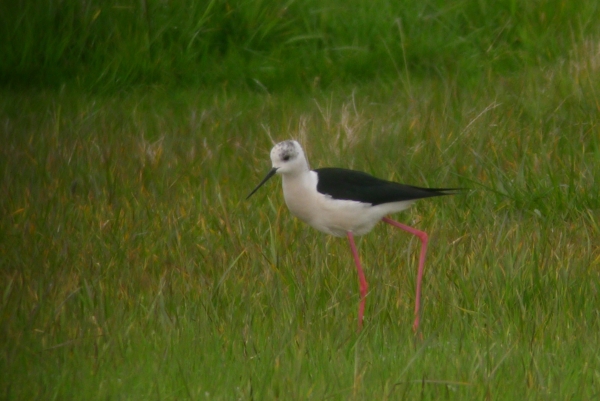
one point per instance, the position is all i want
(345, 202)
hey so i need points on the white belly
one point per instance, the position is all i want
(331, 216)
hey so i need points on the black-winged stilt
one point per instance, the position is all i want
(344, 202)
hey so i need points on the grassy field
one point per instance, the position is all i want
(270, 45)
(132, 268)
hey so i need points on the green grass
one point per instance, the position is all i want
(269, 45)
(132, 267)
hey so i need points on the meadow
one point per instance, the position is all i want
(133, 268)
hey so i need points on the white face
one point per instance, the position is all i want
(288, 157)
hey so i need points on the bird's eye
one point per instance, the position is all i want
(286, 158)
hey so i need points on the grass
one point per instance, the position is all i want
(269, 45)
(131, 267)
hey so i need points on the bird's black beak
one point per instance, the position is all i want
(270, 174)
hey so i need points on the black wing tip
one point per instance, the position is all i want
(450, 191)
(445, 191)
(432, 192)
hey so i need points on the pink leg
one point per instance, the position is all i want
(361, 277)
(423, 237)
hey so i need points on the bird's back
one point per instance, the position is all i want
(353, 185)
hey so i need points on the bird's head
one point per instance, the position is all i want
(287, 158)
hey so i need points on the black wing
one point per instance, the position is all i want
(340, 183)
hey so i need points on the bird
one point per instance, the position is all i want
(347, 203)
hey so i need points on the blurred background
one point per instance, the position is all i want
(270, 45)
